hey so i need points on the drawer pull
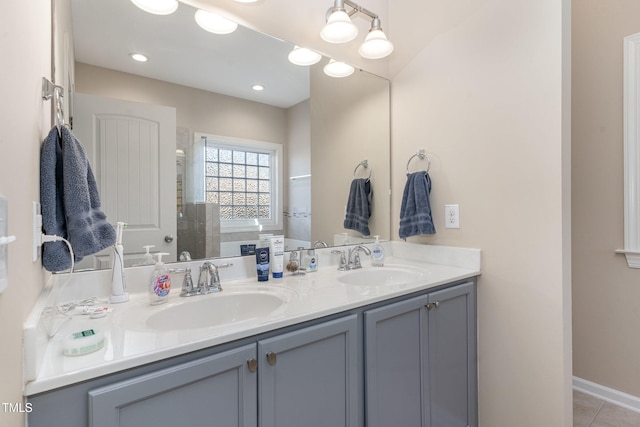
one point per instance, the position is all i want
(271, 358)
(252, 364)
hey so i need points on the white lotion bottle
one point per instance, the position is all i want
(118, 287)
(377, 254)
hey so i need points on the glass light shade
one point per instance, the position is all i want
(339, 28)
(375, 45)
(303, 56)
(338, 69)
(214, 23)
(157, 7)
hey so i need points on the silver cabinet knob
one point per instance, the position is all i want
(271, 358)
(432, 305)
(168, 238)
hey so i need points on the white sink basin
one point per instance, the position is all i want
(228, 306)
(374, 276)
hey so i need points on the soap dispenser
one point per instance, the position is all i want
(377, 254)
(118, 288)
(147, 258)
(160, 284)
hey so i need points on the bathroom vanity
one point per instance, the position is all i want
(380, 346)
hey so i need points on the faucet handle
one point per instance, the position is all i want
(187, 285)
(343, 260)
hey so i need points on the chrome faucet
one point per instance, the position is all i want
(319, 244)
(187, 285)
(354, 256)
(211, 280)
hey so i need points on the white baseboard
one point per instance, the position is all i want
(607, 394)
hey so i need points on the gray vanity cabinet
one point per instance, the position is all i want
(218, 390)
(420, 361)
(309, 377)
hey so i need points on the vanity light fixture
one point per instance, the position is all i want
(214, 23)
(138, 57)
(340, 29)
(303, 56)
(376, 45)
(157, 7)
(338, 69)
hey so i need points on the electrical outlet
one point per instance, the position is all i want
(452, 216)
(37, 231)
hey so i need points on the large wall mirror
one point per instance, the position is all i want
(199, 163)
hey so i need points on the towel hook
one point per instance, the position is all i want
(50, 90)
(422, 155)
(364, 164)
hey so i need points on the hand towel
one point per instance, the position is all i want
(359, 206)
(70, 202)
(415, 210)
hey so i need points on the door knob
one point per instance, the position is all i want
(168, 238)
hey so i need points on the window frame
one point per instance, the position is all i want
(275, 150)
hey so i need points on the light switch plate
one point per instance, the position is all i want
(3, 247)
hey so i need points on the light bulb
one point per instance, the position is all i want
(157, 7)
(338, 69)
(138, 57)
(303, 56)
(376, 45)
(339, 28)
(214, 23)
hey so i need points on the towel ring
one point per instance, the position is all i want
(422, 156)
(364, 164)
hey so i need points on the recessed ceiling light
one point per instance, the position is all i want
(257, 87)
(214, 23)
(138, 57)
(157, 7)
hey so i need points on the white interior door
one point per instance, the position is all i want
(132, 150)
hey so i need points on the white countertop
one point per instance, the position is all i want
(130, 343)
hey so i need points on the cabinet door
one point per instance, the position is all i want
(215, 391)
(309, 377)
(396, 364)
(452, 357)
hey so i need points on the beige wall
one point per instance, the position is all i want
(25, 43)
(479, 85)
(606, 293)
(196, 110)
(349, 124)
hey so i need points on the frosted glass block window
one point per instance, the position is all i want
(244, 180)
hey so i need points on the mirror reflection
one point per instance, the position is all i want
(199, 163)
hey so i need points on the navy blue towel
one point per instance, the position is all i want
(359, 206)
(70, 202)
(415, 211)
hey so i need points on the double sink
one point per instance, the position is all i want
(251, 302)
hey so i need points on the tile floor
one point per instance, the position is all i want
(589, 411)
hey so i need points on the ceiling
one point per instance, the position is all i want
(106, 31)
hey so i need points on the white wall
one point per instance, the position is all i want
(25, 43)
(482, 86)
